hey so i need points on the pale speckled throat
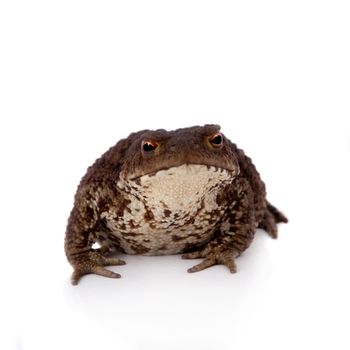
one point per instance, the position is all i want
(178, 203)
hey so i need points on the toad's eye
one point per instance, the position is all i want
(149, 146)
(216, 140)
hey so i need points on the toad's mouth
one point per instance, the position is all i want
(187, 167)
(170, 171)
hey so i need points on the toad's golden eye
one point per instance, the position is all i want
(149, 146)
(216, 140)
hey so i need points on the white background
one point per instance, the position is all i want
(76, 76)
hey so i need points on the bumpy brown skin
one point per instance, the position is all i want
(243, 200)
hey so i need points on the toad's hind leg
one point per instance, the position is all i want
(272, 216)
(109, 245)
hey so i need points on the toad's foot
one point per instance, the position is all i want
(214, 256)
(271, 218)
(268, 224)
(93, 261)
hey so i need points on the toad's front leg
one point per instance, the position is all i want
(236, 232)
(216, 252)
(80, 237)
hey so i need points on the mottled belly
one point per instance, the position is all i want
(158, 241)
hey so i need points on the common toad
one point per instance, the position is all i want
(189, 191)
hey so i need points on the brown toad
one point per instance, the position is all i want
(159, 192)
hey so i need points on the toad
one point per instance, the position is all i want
(158, 192)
